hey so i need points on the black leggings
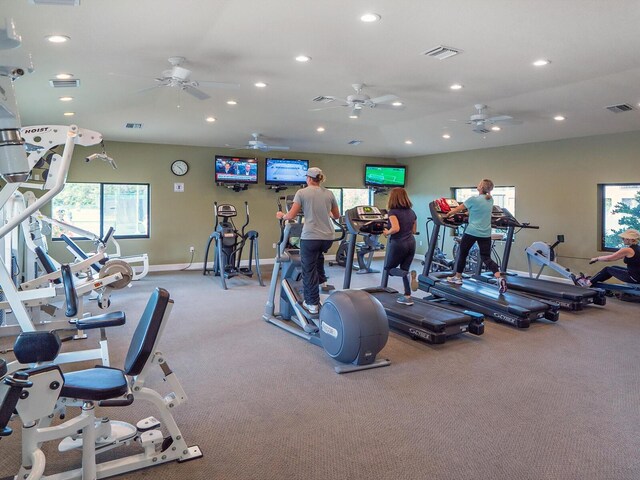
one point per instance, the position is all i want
(313, 274)
(484, 244)
(621, 273)
(400, 253)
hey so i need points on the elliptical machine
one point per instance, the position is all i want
(352, 325)
(229, 244)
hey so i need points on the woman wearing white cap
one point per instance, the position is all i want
(318, 204)
(630, 254)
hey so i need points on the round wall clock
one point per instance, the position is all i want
(179, 168)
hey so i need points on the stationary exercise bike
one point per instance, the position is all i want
(351, 326)
(229, 244)
(364, 253)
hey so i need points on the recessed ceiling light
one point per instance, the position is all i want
(64, 76)
(260, 84)
(408, 142)
(303, 58)
(397, 104)
(542, 62)
(559, 118)
(231, 102)
(320, 129)
(446, 135)
(66, 99)
(58, 38)
(496, 128)
(353, 116)
(210, 119)
(455, 86)
(69, 114)
(370, 17)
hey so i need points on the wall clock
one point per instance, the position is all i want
(179, 168)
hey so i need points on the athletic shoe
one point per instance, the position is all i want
(583, 281)
(502, 285)
(414, 280)
(404, 300)
(455, 280)
(312, 309)
(325, 287)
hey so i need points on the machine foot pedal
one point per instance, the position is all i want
(120, 432)
(148, 423)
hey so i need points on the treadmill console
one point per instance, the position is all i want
(367, 219)
(439, 209)
(502, 218)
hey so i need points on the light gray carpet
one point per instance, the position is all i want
(556, 401)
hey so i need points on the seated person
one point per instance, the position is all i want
(630, 254)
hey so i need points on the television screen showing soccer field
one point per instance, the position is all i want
(384, 176)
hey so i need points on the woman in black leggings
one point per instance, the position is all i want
(629, 254)
(402, 244)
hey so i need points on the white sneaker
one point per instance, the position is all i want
(312, 309)
(455, 280)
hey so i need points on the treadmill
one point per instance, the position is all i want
(424, 320)
(511, 308)
(568, 296)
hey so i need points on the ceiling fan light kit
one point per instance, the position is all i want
(359, 100)
(483, 123)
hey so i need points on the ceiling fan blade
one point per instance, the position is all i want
(505, 121)
(199, 94)
(150, 88)
(387, 106)
(384, 99)
(327, 108)
(218, 84)
(499, 118)
(268, 148)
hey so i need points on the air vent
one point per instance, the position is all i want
(324, 99)
(67, 3)
(440, 52)
(623, 107)
(133, 125)
(355, 142)
(65, 83)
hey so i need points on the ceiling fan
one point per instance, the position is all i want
(179, 77)
(257, 144)
(356, 102)
(483, 123)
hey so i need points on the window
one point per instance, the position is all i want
(619, 211)
(352, 197)
(502, 196)
(98, 206)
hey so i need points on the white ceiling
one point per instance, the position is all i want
(118, 47)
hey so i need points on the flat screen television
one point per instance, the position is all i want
(285, 171)
(236, 170)
(384, 175)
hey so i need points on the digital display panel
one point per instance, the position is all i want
(236, 170)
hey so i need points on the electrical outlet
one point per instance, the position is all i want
(419, 243)
(192, 249)
(275, 245)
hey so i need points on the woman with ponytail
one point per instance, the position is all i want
(478, 231)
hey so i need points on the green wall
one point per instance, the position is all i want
(556, 187)
(181, 220)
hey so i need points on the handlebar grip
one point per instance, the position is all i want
(118, 402)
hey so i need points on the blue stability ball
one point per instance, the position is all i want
(354, 327)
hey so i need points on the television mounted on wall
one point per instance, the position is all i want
(385, 175)
(236, 170)
(285, 171)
